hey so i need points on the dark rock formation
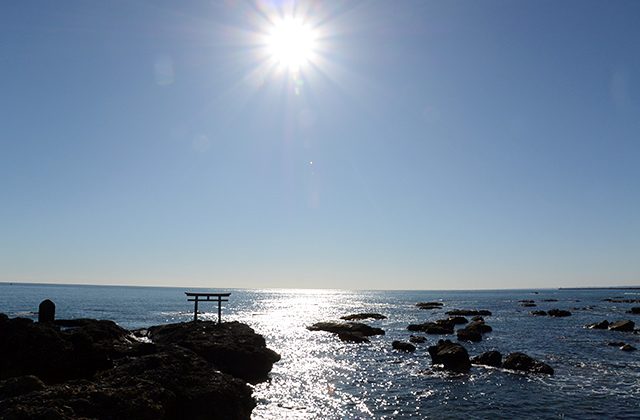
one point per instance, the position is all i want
(615, 343)
(95, 369)
(468, 335)
(524, 363)
(46, 311)
(538, 313)
(441, 326)
(558, 313)
(359, 317)
(528, 305)
(453, 356)
(489, 358)
(352, 337)
(602, 325)
(627, 347)
(527, 301)
(469, 312)
(616, 300)
(625, 325)
(477, 318)
(430, 305)
(418, 339)
(456, 320)
(635, 310)
(346, 327)
(549, 300)
(402, 346)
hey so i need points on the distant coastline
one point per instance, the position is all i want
(601, 288)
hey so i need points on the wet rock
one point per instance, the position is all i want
(538, 313)
(231, 347)
(338, 327)
(526, 301)
(615, 343)
(558, 313)
(627, 347)
(469, 312)
(635, 310)
(453, 356)
(477, 318)
(549, 300)
(430, 305)
(528, 305)
(489, 358)
(418, 339)
(457, 320)
(358, 317)
(616, 300)
(625, 326)
(441, 326)
(20, 385)
(602, 325)
(468, 335)
(352, 337)
(479, 326)
(522, 362)
(402, 346)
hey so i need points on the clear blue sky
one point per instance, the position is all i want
(430, 145)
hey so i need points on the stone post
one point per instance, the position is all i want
(46, 311)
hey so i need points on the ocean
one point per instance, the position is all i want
(321, 377)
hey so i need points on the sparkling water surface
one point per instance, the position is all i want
(321, 377)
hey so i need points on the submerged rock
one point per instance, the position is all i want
(489, 358)
(602, 325)
(522, 362)
(352, 337)
(627, 347)
(418, 339)
(430, 305)
(402, 346)
(358, 317)
(453, 356)
(625, 326)
(558, 313)
(538, 313)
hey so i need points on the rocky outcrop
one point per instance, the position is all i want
(417, 339)
(457, 320)
(441, 326)
(558, 313)
(627, 347)
(615, 300)
(490, 358)
(524, 363)
(602, 325)
(346, 327)
(352, 337)
(538, 313)
(469, 312)
(430, 305)
(403, 346)
(635, 310)
(359, 317)
(79, 369)
(452, 356)
(473, 332)
(549, 300)
(625, 326)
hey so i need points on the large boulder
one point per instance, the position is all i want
(524, 363)
(489, 358)
(352, 327)
(465, 334)
(359, 317)
(635, 310)
(231, 347)
(429, 305)
(441, 326)
(602, 325)
(452, 356)
(352, 337)
(625, 326)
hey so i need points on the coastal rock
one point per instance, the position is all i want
(417, 339)
(616, 300)
(468, 335)
(469, 312)
(231, 347)
(352, 337)
(558, 313)
(635, 310)
(477, 318)
(359, 317)
(489, 358)
(402, 346)
(19, 385)
(173, 384)
(453, 356)
(527, 301)
(528, 305)
(615, 343)
(627, 347)
(441, 326)
(538, 313)
(522, 362)
(549, 300)
(625, 326)
(479, 326)
(456, 320)
(429, 305)
(602, 325)
(352, 327)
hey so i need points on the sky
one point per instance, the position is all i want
(419, 145)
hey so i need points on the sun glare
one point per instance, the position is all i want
(291, 43)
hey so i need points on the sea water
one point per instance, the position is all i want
(321, 377)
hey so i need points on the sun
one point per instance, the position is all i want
(291, 43)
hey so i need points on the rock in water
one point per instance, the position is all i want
(627, 347)
(418, 339)
(558, 313)
(402, 346)
(538, 313)
(469, 312)
(453, 356)
(489, 358)
(635, 310)
(626, 326)
(358, 317)
(522, 362)
(602, 325)
(352, 337)
(231, 347)
(429, 305)
(350, 327)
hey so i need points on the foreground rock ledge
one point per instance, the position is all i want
(81, 369)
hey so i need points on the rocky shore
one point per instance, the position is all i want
(86, 368)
